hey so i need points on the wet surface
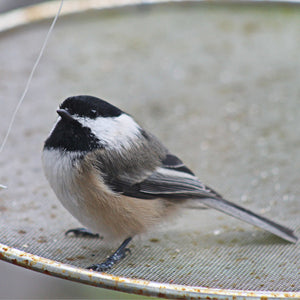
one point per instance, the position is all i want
(219, 86)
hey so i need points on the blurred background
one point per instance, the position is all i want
(13, 4)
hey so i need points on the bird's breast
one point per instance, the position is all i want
(81, 191)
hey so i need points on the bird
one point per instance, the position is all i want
(119, 180)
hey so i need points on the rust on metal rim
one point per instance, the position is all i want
(136, 286)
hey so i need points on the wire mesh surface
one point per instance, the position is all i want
(219, 85)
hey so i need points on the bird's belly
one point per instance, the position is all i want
(97, 207)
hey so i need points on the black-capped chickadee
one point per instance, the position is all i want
(119, 180)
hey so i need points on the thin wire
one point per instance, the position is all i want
(12, 120)
(30, 78)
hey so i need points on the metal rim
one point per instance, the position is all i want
(136, 286)
(46, 10)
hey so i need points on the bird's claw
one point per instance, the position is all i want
(111, 261)
(82, 232)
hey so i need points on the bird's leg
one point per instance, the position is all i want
(118, 255)
(82, 232)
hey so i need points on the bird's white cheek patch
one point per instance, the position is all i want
(114, 132)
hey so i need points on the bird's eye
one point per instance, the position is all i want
(93, 113)
(69, 110)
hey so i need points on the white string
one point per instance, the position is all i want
(30, 78)
(29, 81)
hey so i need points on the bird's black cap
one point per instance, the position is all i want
(89, 106)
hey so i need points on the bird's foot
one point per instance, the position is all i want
(82, 232)
(118, 255)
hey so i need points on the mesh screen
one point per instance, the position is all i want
(234, 260)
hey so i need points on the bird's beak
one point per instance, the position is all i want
(65, 114)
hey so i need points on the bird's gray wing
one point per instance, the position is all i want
(173, 177)
(172, 180)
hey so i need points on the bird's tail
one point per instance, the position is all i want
(250, 217)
